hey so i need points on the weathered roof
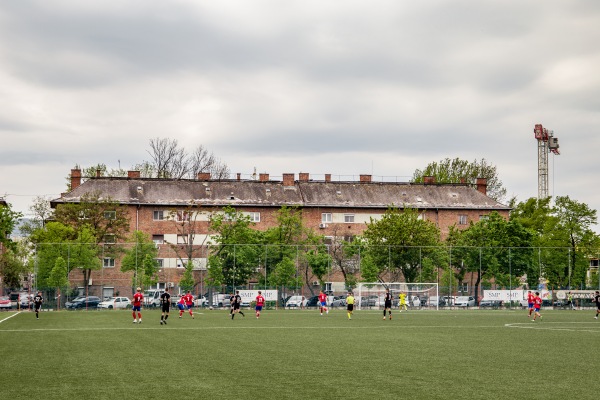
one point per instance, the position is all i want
(219, 193)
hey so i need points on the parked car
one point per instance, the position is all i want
(25, 300)
(115, 302)
(312, 301)
(200, 302)
(83, 302)
(340, 301)
(490, 303)
(465, 301)
(5, 303)
(296, 301)
(152, 297)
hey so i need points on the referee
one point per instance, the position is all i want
(165, 305)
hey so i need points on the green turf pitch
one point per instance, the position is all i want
(298, 354)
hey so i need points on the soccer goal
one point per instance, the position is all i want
(417, 295)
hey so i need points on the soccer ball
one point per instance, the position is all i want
(210, 308)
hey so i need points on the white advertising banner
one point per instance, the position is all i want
(503, 295)
(250, 295)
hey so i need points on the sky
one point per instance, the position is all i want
(345, 88)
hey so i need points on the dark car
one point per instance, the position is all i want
(84, 302)
(490, 303)
(312, 301)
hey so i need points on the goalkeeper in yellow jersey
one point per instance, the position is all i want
(402, 304)
(350, 304)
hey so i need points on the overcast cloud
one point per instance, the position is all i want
(288, 86)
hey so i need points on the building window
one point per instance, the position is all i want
(158, 239)
(110, 238)
(158, 215)
(109, 262)
(349, 218)
(160, 262)
(326, 218)
(182, 239)
(183, 215)
(254, 216)
(110, 214)
(462, 219)
(484, 217)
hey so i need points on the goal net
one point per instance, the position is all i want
(418, 295)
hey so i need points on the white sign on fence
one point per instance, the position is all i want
(503, 295)
(250, 295)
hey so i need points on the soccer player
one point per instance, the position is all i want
(323, 303)
(260, 302)
(530, 298)
(596, 300)
(402, 298)
(537, 304)
(350, 304)
(37, 303)
(387, 303)
(165, 305)
(189, 302)
(181, 305)
(138, 297)
(236, 302)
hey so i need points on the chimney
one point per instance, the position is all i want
(365, 178)
(482, 185)
(429, 180)
(203, 176)
(288, 179)
(98, 173)
(303, 176)
(263, 177)
(327, 177)
(133, 174)
(239, 176)
(75, 178)
(463, 180)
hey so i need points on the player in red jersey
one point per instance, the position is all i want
(530, 297)
(189, 302)
(260, 302)
(537, 304)
(323, 302)
(138, 297)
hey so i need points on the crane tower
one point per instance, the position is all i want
(546, 143)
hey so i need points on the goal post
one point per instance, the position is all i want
(418, 295)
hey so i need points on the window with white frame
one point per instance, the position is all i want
(183, 239)
(158, 239)
(326, 218)
(349, 218)
(110, 238)
(183, 215)
(484, 217)
(158, 215)
(108, 262)
(462, 219)
(254, 216)
(110, 214)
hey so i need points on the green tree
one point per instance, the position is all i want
(51, 241)
(456, 170)
(141, 260)
(235, 251)
(13, 267)
(573, 230)
(8, 221)
(58, 276)
(491, 248)
(285, 274)
(397, 243)
(187, 280)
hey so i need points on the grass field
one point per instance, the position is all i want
(298, 354)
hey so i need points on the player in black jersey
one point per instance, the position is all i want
(165, 305)
(236, 302)
(387, 303)
(596, 300)
(37, 303)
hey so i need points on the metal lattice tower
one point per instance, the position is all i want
(546, 143)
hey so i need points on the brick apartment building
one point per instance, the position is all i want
(339, 208)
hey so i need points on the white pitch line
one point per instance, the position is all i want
(547, 326)
(7, 318)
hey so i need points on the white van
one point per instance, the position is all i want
(296, 302)
(152, 297)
